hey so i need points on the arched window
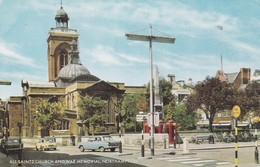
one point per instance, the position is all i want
(53, 99)
(63, 58)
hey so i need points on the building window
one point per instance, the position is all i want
(73, 101)
(64, 125)
(68, 101)
(63, 58)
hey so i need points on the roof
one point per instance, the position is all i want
(73, 70)
(40, 84)
(231, 76)
(61, 15)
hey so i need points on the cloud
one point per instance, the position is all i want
(20, 75)
(110, 31)
(182, 17)
(131, 58)
(108, 56)
(104, 55)
(8, 54)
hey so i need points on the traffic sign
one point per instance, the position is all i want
(236, 111)
(141, 106)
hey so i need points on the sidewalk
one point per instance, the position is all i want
(203, 146)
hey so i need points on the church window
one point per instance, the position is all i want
(73, 101)
(64, 125)
(63, 58)
(68, 101)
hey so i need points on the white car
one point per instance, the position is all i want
(46, 143)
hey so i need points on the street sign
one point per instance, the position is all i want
(236, 111)
(156, 119)
(140, 118)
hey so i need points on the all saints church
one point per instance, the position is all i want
(68, 80)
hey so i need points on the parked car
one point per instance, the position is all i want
(99, 143)
(11, 144)
(46, 143)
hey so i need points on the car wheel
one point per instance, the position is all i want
(36, 148)
(81, 148)
(54, 148)
(101, 149)
(112, 149)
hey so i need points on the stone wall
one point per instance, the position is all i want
(135, 140)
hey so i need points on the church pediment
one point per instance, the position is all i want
(103, 86)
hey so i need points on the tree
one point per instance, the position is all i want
(166, 93)
(49, 115)
(248, 99)
(185, 119)
(212, 96)
(92, 111)
(130, 110)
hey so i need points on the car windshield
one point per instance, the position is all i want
(107, 138)
(13, 140)
(49, 140)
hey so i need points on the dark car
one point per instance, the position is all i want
(11, 144)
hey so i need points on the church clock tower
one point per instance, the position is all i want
(59, 41)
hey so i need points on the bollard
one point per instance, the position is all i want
(256, 156)
(256, 150)
(120, 147)
(164, 143)
(142, 151)
(142, 147)
(185, 145)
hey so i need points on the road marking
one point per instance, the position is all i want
(223, 163)
(177, 160)
(198, 164)
(194, 162)
(164, 158)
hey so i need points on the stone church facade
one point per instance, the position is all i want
(68, 80)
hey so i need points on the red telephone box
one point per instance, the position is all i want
(169, 127)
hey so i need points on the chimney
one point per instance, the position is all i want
(171, 78)
(190, 81)
(245, 75)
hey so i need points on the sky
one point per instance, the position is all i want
(204, 30)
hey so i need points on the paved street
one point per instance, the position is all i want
(220, 154)
(66, 156)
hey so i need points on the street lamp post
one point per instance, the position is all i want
(151, 39)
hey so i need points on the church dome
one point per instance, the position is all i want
(61, 15)
(71, 71)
